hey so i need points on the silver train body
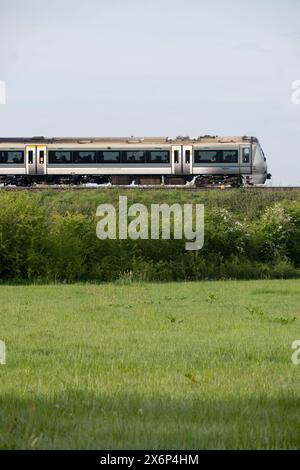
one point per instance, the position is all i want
(205, 160)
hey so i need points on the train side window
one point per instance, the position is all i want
(84, 157)
(158, 156)
(110, 156)
(3, 157)
(206, 156)
(41, 157)
(134, 156)
(62, 157)
(16, 157)
(30, 156)
(187, 156)
(228, 156)
(246, 155)
(176, 156)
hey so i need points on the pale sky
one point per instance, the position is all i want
(159, 67)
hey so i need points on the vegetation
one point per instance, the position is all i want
(51, 236)
(167, 366)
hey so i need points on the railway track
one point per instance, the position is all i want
(37, 188)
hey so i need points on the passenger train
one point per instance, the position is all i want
(203, 160)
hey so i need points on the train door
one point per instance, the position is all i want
(187, 156)
(41, 159)
(177, 160)
(245, 159)
(30, 159)
(182, 159)
(36, 159)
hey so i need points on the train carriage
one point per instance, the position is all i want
(205, 160)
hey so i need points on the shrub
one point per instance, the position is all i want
(271, 234)
(23, 237)
(52, 237)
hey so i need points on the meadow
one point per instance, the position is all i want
(125, 365)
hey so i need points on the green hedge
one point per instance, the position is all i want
(51, 236)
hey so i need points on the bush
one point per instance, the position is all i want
(272, 233)
(52, 237)
(23, 237)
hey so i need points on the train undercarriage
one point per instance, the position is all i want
(125, 180)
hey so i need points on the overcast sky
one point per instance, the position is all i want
(159, 67)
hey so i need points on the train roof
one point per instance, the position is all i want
(129, 140)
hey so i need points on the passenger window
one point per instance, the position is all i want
(176, 156)
(84, 157)
(15, 157)
(206, 156)
(109, 157)
(30, 156)
(135, 156)
(246, 155)
(187, 156)
(159, 157)
(60, 157)
(228, 156)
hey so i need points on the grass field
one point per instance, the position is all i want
(164, 366)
